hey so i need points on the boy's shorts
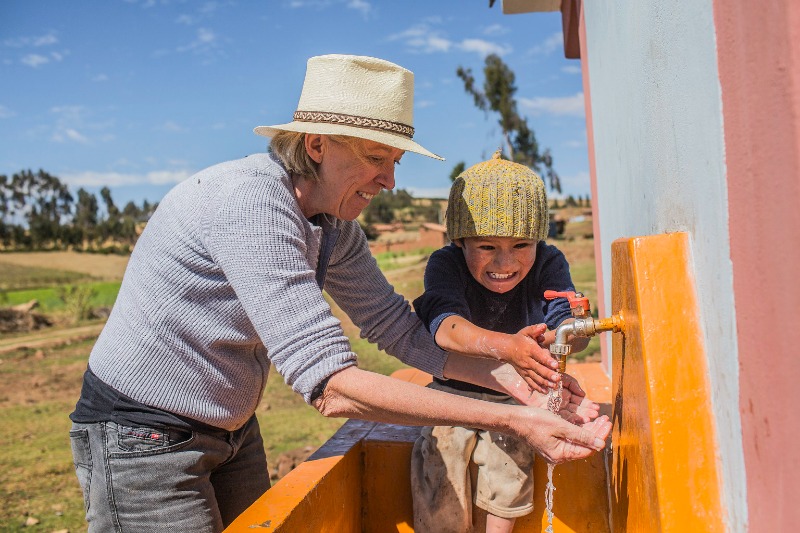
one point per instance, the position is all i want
(454, 467)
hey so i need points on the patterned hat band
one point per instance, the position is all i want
(351, 120)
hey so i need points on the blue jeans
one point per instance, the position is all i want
(146, 479)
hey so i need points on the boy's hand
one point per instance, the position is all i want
(533, 363)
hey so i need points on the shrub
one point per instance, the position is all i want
(77, 300)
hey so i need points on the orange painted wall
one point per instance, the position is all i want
(665, 469)
(758, 46)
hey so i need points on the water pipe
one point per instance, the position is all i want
(584, 325)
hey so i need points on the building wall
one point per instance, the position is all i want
(758, 53)
(659, 167)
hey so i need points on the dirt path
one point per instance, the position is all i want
(45, 338)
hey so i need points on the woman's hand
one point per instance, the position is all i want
(557, 440)
(356, 393)
(575, 407)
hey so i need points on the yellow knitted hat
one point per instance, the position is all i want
(497, 198)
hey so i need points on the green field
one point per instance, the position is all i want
(104, 293)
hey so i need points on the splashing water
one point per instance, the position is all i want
(553, 405)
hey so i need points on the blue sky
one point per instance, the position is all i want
(139, 94)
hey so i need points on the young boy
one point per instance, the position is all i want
(483, 295)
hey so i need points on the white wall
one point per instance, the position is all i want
(660, 167)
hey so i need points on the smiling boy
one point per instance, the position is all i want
(484, 295)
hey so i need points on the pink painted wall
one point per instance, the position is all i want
(758, 47)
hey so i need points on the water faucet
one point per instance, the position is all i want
(584, 325)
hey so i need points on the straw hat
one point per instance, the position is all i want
(358, 96)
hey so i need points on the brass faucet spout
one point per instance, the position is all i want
(581, 327)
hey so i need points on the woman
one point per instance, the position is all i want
(227, 278)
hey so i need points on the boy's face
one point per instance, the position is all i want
(498, 263)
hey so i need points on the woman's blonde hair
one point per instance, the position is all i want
(290, 148)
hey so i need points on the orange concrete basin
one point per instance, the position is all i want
(659, 474)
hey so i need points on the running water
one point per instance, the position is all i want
(553, 405)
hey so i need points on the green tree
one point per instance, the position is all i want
(44, 202)
(5, 224)
(85, 219)
(497, 95)
(457, 169)
(385, 207)
(112, 227)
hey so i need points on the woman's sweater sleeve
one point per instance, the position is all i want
(261, 242)
(359, 287)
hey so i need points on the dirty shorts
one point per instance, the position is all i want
(454, 467)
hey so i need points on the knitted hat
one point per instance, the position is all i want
(497, 198)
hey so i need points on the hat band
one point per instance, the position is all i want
(351, 120)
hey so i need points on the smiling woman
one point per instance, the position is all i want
(226, 281)
(347, 172)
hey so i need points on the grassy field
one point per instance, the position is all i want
(38, 388)
(104, 293)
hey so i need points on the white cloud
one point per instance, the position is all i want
(39, 40)
(299, 4)
(100, 78)
(45, 40)
(424, 39)
(116, 179)
(144, 3)
(550, 45)
(496, 29)
(6, 112)
(37, 58)
(74, 135)
(484, 48)
(564, 106)
(188, 20)
(205, 45)
(34, 60)
(423, 104)
(363, 6)
(205, 12)
(72, 124)
(571, 69)
(360, 5)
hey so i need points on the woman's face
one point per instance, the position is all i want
(349, 180)
(498, 263)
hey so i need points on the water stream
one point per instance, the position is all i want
(553, 405)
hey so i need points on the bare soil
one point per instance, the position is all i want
(104, 267)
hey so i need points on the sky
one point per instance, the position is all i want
(138, 95)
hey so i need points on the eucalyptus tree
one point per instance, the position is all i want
(497, 95)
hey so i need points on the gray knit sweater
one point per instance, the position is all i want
(223, 281)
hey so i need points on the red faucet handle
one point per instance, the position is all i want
(576, 299)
